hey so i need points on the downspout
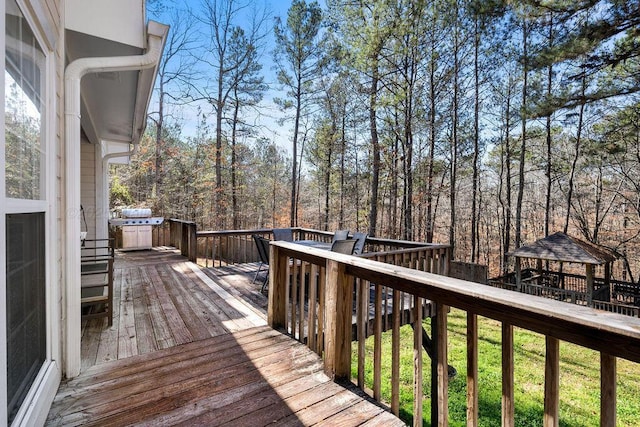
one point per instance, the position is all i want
(73, 75)
(102, 227)
(110, 156)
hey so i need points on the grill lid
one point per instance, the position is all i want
(136, 213)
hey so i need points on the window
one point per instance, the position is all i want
(23, 109)
(24, 223)
(26, 311)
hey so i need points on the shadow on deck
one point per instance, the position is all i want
(191, 346)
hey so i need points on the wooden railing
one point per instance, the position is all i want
(311, 297)
(619, 297)
(228, 247)
(182, 235)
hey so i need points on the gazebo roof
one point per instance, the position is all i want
(563, 248)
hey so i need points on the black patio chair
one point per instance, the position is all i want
(343, 246)
(285, 234)
(262, 245)
(340, 235)
(361, 239)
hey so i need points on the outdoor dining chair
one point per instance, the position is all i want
(361, 239)
(343, 246)
(340, 235)
(262, 245)
(285, 234)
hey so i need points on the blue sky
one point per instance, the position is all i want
(269, 113)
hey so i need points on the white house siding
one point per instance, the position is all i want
(88, 187)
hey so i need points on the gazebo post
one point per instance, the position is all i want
(607, 279)
(589, 275)
(539, 266)
(518, 274)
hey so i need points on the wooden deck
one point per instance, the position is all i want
(190, 346)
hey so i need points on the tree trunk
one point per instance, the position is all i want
(294, 167)
(430, 223)
(476, 143)
(159, 149)
(505, 176)
(234, 185)
(393, 227)
(327, 182)
(547, 211)
(574, 163)
(523, 144)
(375, 147)
(454, 141)
(343, 145)
(219, 212)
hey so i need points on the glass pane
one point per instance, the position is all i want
(24, 109)
(26, 308)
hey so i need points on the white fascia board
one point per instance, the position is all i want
(122, 21)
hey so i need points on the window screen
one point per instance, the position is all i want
(26, 309)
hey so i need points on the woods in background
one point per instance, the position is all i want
(483, 124)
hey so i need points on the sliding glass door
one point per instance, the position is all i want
(25, 213)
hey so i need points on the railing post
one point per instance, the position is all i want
(277, 311)
(172, 233)
(184, 240)
(192, 240)
(337, 336)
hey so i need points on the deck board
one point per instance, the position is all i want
(191, 347)
(255, 377)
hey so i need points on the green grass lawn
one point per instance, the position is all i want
(579, 377)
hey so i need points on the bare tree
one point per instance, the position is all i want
(175, 74)
(220, 18)
(297, 56)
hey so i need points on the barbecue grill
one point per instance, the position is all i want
(136, 227)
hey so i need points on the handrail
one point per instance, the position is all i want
(224, 247)
(611, 334)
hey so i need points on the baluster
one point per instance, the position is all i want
(321, 308)
(472, 369)
(311, 321)
(417, 362)
(362, 309)
(301, 281)
(607, 390)
(551, 382)
(507, 376)
(395, 355)
(377, 341)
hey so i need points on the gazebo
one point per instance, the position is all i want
(562, 248)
